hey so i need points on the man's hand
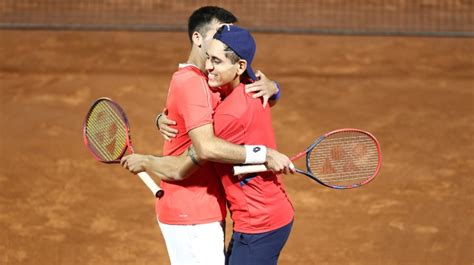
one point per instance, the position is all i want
(278, 162)
(134, 163)
(263, 87)
(163, 124)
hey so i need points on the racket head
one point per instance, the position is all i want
(106, 131)
(344, 159)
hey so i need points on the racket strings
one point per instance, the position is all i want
(106, 137)
(344, 158)
(106, 130)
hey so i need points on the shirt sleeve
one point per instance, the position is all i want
(195, 104)
(229, 128)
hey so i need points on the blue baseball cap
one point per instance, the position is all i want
(241, 42)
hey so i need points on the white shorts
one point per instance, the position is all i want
(201, 244)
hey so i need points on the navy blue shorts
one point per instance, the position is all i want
(257, 249)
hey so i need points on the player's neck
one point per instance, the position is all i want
(225, 90)
(197, 59)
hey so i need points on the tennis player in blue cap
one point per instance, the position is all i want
(260, 208)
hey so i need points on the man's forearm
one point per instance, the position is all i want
(171, 168)
(210, 147)
(218, 150)
(275, 97)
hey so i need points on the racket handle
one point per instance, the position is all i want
(150, 183)
(239, 170)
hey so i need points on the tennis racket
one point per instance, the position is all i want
(341, 159)
(107, 136)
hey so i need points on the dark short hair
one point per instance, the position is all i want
(230, 54)
(200, 18)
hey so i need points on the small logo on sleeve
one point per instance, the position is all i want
(256, 149)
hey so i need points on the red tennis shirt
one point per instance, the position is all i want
(258, 203)
(198, 199)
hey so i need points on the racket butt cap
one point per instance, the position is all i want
(159, 194)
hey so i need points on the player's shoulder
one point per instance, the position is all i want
(191, 84)
(189, 76)
(250, 101)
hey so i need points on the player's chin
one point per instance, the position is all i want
(214, 84)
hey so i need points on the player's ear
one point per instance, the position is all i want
(241, 66)
(197, 39)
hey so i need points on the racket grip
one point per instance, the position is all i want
(150, 183)
(239, 170)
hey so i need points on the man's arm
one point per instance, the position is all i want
(168, 168)
(206, 146)
(209, 147)
(268, 89)
(164, 125)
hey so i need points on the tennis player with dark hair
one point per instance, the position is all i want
(192, 211)
(202, 23)
(260, 208)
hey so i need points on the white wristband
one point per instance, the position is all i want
(255, 154)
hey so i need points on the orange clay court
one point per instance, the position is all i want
(59, 206)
